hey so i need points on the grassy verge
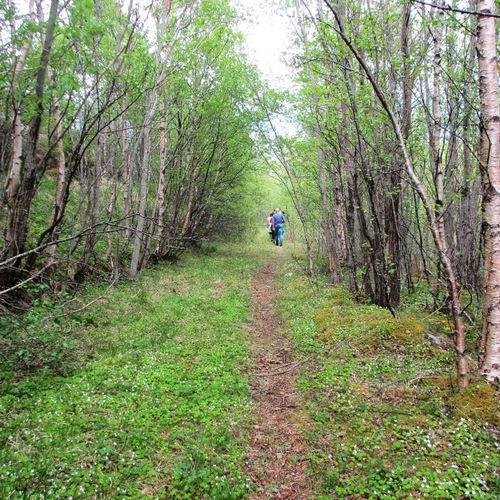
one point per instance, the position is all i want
(162, 407)
(385, 419)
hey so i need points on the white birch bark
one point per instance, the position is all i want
(490, 166)
(15, 164)
(161, 186)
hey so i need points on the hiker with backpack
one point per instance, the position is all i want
(279, 227)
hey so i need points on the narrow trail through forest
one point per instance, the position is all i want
(276, 460)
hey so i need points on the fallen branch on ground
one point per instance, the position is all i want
(290, 366)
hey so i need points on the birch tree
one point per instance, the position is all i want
(490, 171)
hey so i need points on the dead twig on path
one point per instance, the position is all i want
(290, 366)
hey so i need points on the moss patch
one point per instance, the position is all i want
(479, 401)
(369, 328)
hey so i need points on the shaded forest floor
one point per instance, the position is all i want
(230, 375)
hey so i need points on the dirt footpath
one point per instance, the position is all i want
(276, 461)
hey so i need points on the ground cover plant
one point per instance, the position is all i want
(160, 409)
(386, 419)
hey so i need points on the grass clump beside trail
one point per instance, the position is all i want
(385, 418)
(162, 407)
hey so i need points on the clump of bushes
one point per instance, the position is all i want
(38, 341)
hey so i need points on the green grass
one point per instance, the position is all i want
(382, 403)
(160, 409)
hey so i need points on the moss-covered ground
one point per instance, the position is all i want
(385, 420)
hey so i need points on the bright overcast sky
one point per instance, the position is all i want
(268, 35)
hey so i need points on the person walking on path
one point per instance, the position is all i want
(270, 225)
(279, 227)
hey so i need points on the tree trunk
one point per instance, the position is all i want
(326, 224)
(466, 228)
(17, 227)
(162, 206)
(14, 175)
(437, 162)
(60, 183)
(143, 188)
(95, 177)
(393, 204)
(128, 145)
(490, 169)
(141, 239)
(15, 164)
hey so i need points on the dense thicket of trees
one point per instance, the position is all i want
(397, 155)
(124, 133)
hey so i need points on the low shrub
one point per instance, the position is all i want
(39, 341)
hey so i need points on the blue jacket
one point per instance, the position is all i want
(278, 218)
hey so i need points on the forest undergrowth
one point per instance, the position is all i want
(160, 408)
(151, 397)
(386, 417)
